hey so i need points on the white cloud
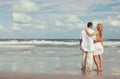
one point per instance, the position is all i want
(108, 21)
(116, 7)
(70, 23)
(60, 15)
(40, 26)
(1, 26)
(112, 21)
(118, 16)
(19, 26)
(25, 6)
(72, 19)
(19, 17)
(74, 22)
(96, 21)
(15, 26)
(28, 26)
(7, 2)
(58, 23)
(4, 28)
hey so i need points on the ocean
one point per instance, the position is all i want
(52, 56)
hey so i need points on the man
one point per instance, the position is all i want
(87, 47)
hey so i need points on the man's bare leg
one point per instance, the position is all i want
(96, 62)
(89, 61)
(84, 57)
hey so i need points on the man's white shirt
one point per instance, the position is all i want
(87, 43)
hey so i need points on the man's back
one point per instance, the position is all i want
(87, 43)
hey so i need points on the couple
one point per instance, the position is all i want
(91, 44)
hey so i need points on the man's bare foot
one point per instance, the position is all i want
(89, 70)
(82, 69)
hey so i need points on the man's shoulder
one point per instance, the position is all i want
(91, 30)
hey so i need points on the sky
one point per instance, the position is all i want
(57, 19)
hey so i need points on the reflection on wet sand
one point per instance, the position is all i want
(88, 74)
(99, 73)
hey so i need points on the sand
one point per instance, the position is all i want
(14, 75)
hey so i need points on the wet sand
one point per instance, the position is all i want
(13, 75)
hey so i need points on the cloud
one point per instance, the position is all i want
(25, 6)
(4, 28)
(7, 2)
(20, 17)
(70, 23)
(116, 7)
(73, 19)
(21, 26)
(58, 16)
(113, 21)
(118, 16)
(15, 26)
(28, 26)
(74, 22)
(96, 21)
(1, 26)
(58, 23)
(40, 26)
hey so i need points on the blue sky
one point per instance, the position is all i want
(57, 19)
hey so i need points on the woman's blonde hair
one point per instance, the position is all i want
(100, 29)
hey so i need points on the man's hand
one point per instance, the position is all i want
(100, 40)
(80, 44)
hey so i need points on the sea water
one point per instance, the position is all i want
(52, 56)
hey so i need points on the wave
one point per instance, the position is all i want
(112, 43)
(52, 42)
(41, 42)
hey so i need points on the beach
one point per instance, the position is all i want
(53, 59)
(11, 75)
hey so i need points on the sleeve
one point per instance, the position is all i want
(80, 35)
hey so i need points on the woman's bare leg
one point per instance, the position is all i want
(101, 61)
(96, 62)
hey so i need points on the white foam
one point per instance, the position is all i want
(45, 42)
(111, 43)
(16, 46)
(42, 42)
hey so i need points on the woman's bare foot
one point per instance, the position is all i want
(98, 69)
(95, 69)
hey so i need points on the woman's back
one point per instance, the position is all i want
(98, 37)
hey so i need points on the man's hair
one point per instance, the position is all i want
(89, 24)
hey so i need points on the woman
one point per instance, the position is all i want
(98, 46)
